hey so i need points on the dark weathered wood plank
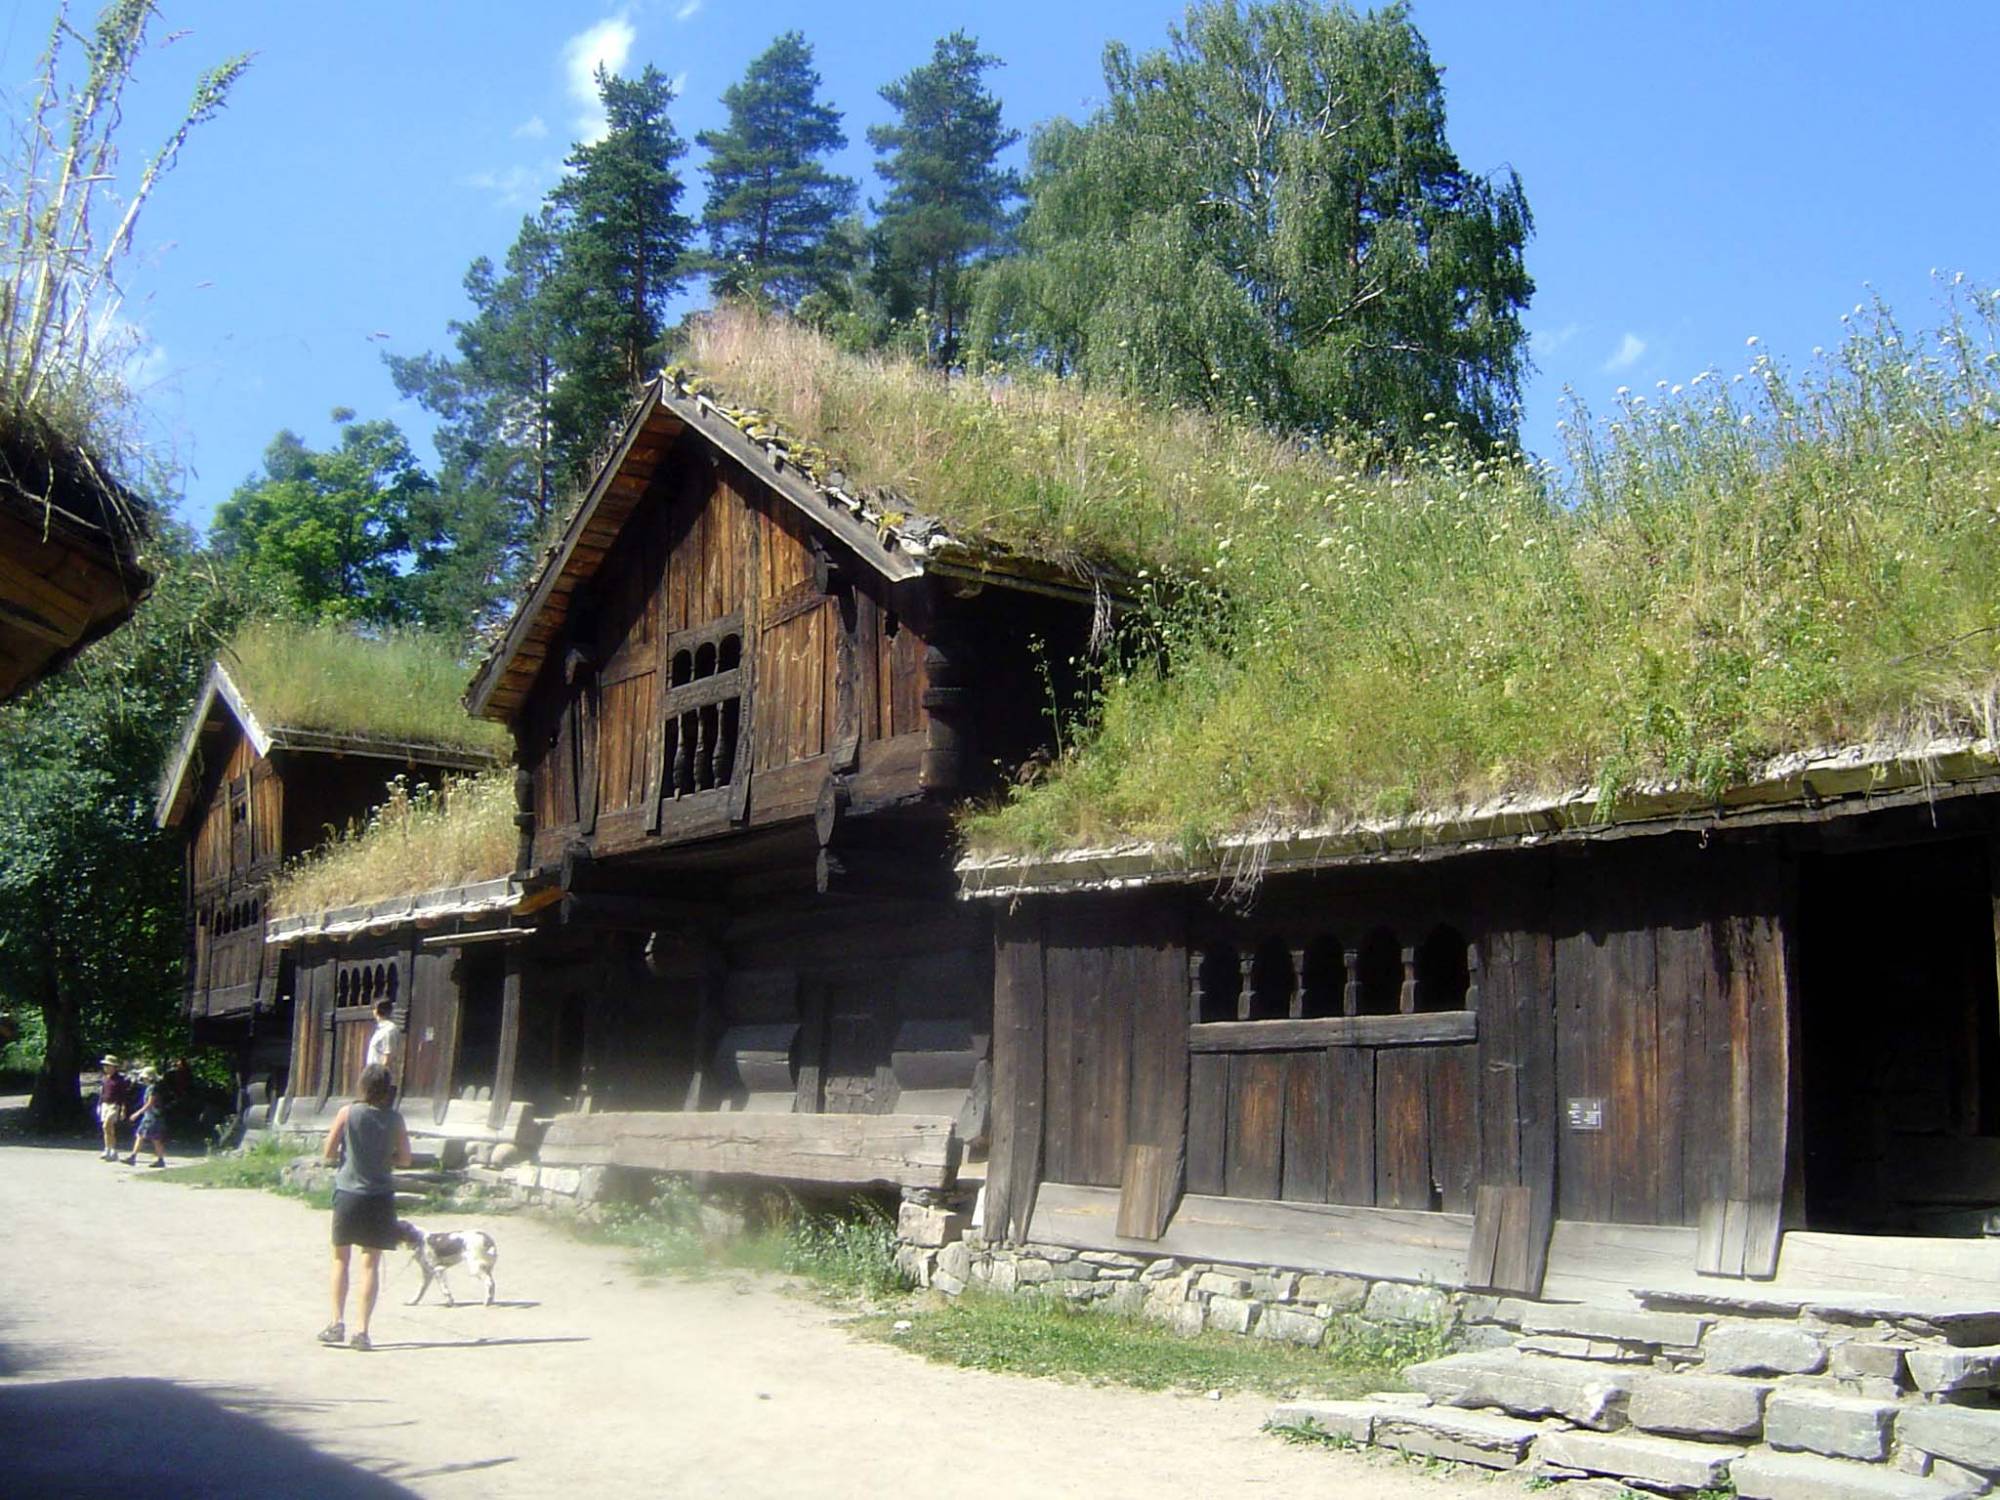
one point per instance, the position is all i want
(510, 1034)
(1252, 1160)
(1402, 1130)
(904, 1150)
(1208, 1122)
(1149, 1191)
(1335, 1031)
(1305, 1140)
(1482, 1254)
(1019, 1072)
(1453, 1112)
(1350, 1116)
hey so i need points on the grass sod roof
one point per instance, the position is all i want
(1751, 566)
(421, 839)
(401, 687)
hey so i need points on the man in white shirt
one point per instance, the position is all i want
(382, 1044)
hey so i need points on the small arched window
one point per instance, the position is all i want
(1443, 970)
(1380, 970)
(1221, 980)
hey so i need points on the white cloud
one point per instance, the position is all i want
(689, 9)
(1627, 354)
(1545, 341)
(606, 45)
(513, 187)
(679, 83)
(534, 128)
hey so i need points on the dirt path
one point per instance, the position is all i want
(149, 1330)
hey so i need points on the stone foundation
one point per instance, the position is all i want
(1780, 1396)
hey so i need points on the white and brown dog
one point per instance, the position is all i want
(436, 1253)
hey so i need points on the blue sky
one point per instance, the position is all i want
(1700, 172)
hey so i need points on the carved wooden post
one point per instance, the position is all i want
(1407, 1002)
(1298, 1005)
(524, 820)
(1473, 965)
(1197, 992)
(946, 700)
(1246, 991)
(683, 756)
(1350, 992)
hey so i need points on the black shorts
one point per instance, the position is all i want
(364, 1219)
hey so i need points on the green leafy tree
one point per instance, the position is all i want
(334, 533)
(772, 204)
(949, 200)
(623, 244)
(1266, 217)
(91, 927)
(501, 452)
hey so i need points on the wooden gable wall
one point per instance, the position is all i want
(715, 570)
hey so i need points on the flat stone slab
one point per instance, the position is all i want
(1764, 1302)
(1941, 1369)
(1563, 1346)
(1828, 1424)
(1962, 1434)
(1352, 1420)
(1466, 1437)
(1629, 1325)
(1586, 1392)
(1804, 1476)
(1667, 1463)
(1704, 1406)
(1761, 1349)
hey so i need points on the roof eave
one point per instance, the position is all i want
(1805, 785)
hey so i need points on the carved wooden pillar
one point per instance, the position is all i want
(947, 701)
(524, 820)
(1197, 991)
(1246, 992)
(1298, 1005)
(1407, 1003)
(1350, 992)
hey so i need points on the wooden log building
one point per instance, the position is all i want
(249, 795)
(69, 568)
(1523, 1048)
(1526, 1050)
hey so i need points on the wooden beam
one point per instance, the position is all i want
(903, 1150)
(1335, 1031)
(489, 935)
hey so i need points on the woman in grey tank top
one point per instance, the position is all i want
(368, 1141)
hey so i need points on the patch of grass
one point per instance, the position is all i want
(420, 839)
(1306, 1432)
(1755, 563)
(1053, 1337)
(257, 1167)
(402, 685)
(851, 1253)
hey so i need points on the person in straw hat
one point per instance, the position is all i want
(152, 1127)
(114, 1102)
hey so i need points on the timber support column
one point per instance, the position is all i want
(510, 1035)
(947, 703)
(524, 820)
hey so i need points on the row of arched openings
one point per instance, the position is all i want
(236, 916)
(701, 742)
(1380, 975)
(364, 984)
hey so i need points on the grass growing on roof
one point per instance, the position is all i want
(420, 839)
(402, 686)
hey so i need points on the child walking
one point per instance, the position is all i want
(152, 1127)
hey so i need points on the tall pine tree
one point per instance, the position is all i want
(501, 453)
(623, 245)
(772, 203)
(949, 199)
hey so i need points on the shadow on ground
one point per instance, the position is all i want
(106, 1438)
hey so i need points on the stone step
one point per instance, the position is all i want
(1700, 1406)
(1751, 1348)
(1664, 1463)
(1962, 1434)
(1938, 1370)
(1805, 1476)
(1626, 1325)
(1586, 1392)
(1831, 1425)
(1466, 1437)
(1962, 1321)
(1353, 1420)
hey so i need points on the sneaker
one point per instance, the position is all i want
(333, 1333)
(132, 1160)
(158, 1161)
(360, 1341)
